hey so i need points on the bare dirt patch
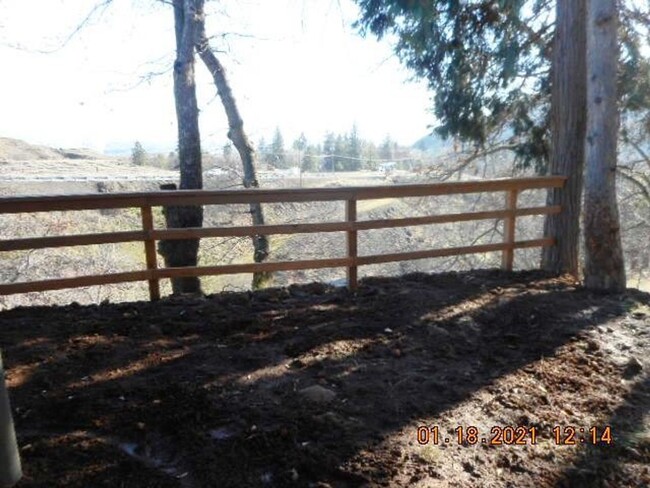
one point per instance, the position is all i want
(316, 386)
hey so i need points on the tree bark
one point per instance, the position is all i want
(604, 264)
(568, 128)
(185, 252)
(237, 135)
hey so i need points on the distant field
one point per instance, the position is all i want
(47, 172)
(79, 170)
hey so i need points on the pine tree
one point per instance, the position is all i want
(353, 149)
(310, 161)
(278, 156)
(329, 149)
(138, 154)
(301, 143)
(339, 150)
(370, 155)
(386, 149)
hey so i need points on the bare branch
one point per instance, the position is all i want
(636, 180)
(98, 10)
(448, 172)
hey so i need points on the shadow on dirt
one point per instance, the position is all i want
(607, 464)
(283, 387)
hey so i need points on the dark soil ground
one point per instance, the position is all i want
(317, 386)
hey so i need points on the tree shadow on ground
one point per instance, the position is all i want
(221, 381)
(607, 464)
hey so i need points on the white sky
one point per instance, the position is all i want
(305, 70)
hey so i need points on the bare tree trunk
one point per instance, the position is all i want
(238, 137)
(568, 121)
(185, 252)
(604, 264)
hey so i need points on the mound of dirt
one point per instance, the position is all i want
(478, 379)
(17, 150)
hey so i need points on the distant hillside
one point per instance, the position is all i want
(17, 150)
(433, 144)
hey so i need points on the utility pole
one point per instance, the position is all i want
(300, 166)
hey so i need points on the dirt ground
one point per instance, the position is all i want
(315, 386)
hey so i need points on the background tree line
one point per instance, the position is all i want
(347, 151)
(336, 152)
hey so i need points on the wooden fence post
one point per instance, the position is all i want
(150, 252)
(351, 216)
(10, 469)
(508, 254)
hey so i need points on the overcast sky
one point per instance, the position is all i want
(296, 64)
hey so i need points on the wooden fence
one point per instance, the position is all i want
(350, 195)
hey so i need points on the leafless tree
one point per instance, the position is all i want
(236, 134)
(185, 252)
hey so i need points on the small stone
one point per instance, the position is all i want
(439, 331)
(317, 394)
(296, 364)
(632, 368)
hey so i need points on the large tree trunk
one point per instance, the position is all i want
(238, 137)
(185, 252)
(568, 125)
(604, 265)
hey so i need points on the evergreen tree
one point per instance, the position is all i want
(310, 160)
(491, 65)
(339, 150)
(263, 151)
(604, 263)
(299, 146)
(568, 122)
(369, 154)
(301, 143)
(277, 154)
(138, 154)
(386, 149)
(488, 64)
(329, 149)
(353, 149)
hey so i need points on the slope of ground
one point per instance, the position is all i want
(315, 386)
(22, 162)
(15, 149)
(70, 170)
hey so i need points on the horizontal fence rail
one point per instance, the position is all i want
(351, 226)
